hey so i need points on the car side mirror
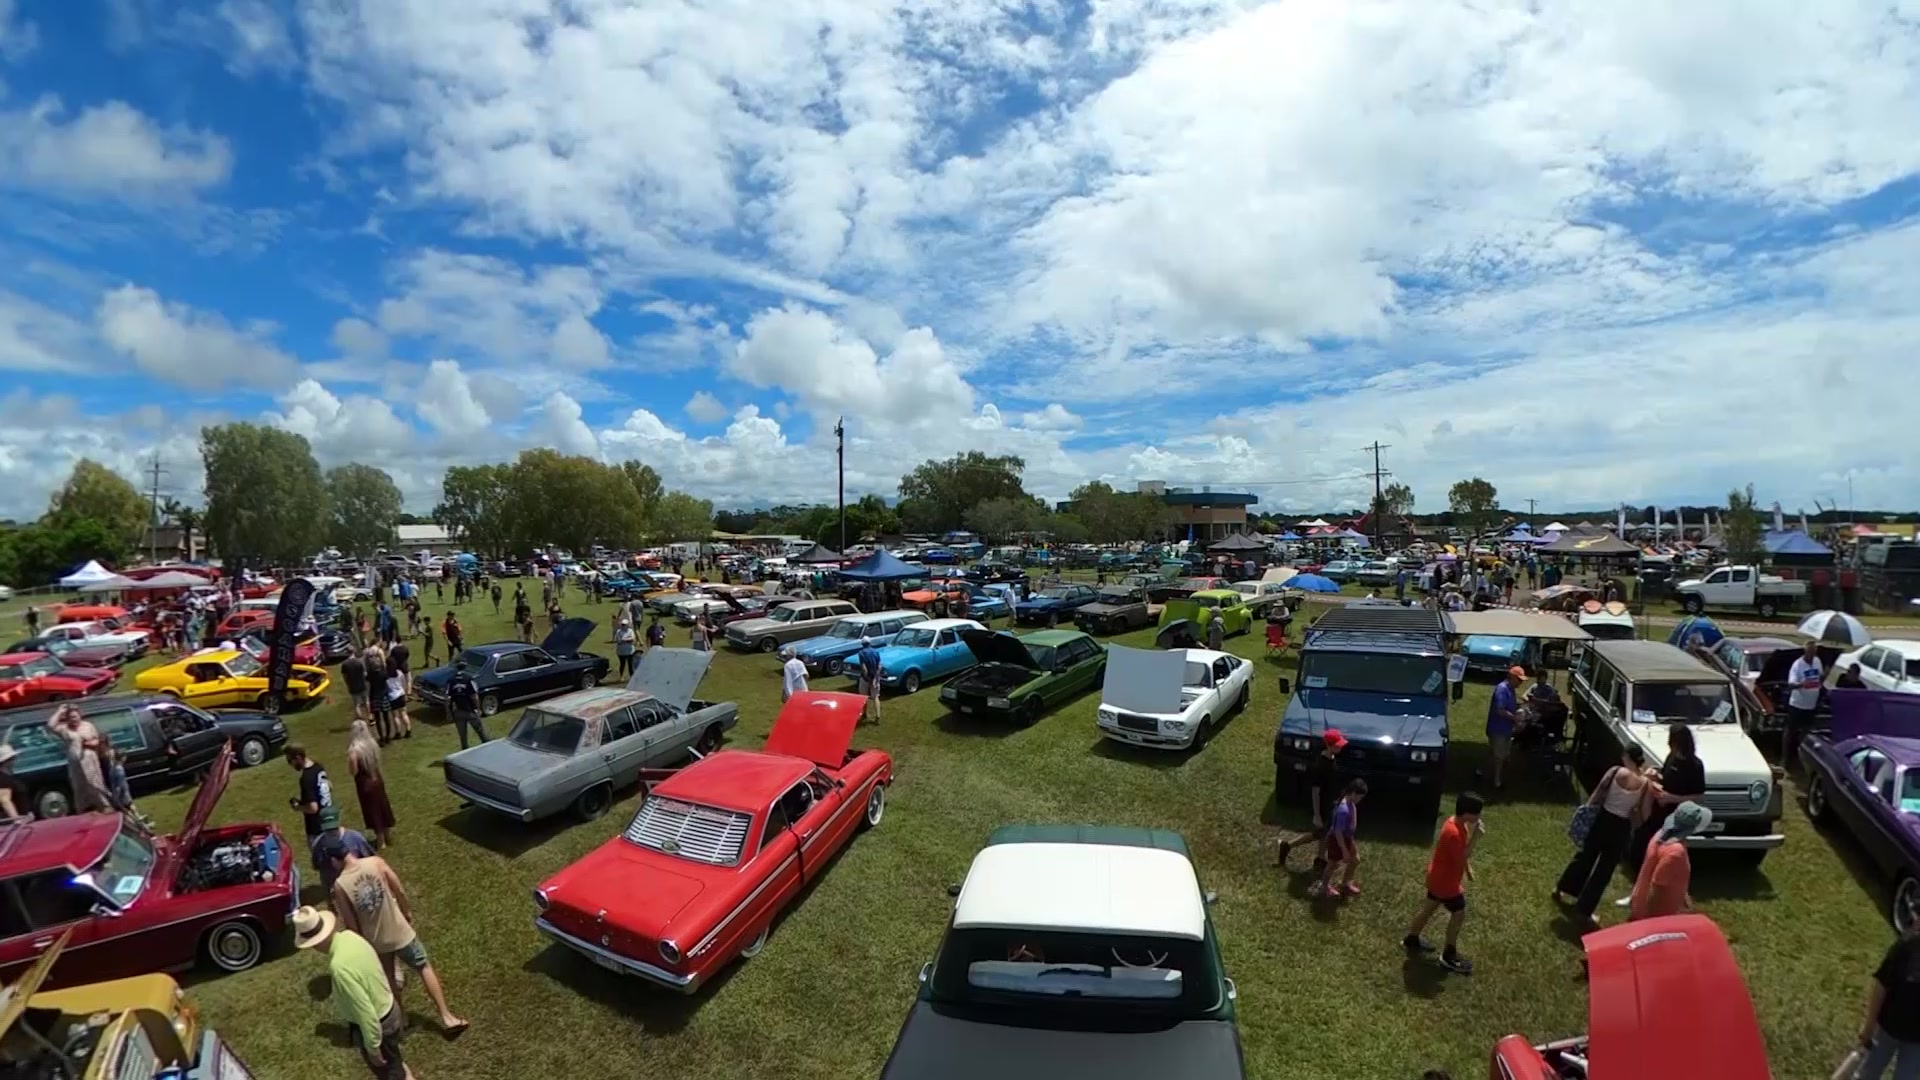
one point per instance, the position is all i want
(1210, 896)
(1286, 685)
(953, 891)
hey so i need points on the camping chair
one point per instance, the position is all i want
(1276, 638)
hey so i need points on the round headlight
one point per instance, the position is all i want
(540, 899)
(669, 952)
(1757, 791)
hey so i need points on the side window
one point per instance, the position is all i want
(1618, 699)
(776, 820)
(509, 663)
(38, 748)
(651, 714)
(123, 729)
(1883, 781)
(534, 658)
(1718, 577)
(1601, 679)
(1865, 763)
(1741, 575)
(624, 722)
(52, 900)
(1892, 664)
(1221, 668)
(797, 801)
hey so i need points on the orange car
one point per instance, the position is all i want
(949, 592)
(91, 612)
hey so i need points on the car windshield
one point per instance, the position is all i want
(1052, 594)
(1196, 674)
(40, 665)
(122, 872)
(1207, 601)
(1117, 596)
(550, 732)
(782, 614)
(1374, 673)
(242, 666)
(847, 630)
(914, 637)
(1042, 656)
(1686, 703)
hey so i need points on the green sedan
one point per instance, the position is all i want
(1021, 678)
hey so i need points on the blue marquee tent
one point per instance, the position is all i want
(1288, 535)
(1794, 542)
(881, 566)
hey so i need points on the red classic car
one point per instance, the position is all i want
(1664, 998)
(90, 613)
(41, 677)
(241, 621)
(141, 903)
(718, 849)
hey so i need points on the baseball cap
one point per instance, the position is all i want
(1333, 739)
(1517, 672)
(332, 846)
(329, 817)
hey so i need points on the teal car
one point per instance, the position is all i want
(920, 654)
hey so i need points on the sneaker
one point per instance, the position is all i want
(1286, 848)
(1316, 890)
(1456, 963)
(1347, 890)
(1416, 944)
(1625, 901)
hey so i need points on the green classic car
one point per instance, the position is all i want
(1231, 605)
(1022, 677)
(1075, 951)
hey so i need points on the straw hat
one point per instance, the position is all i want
(311, 926)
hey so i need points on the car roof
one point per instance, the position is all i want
(1051, 638)
(1763, 644)
(1905, 752)
(496, 648)
(1655, 661)
(211, 656)
(593, 704)
(950, 624)
(744, 780)
(1082, 887)
(1203, 656)
(75, 840)
(1903, 646)
(21, 657)
(864, 617)
(1220, 594)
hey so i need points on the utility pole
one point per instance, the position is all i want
(1378, 495)
(840, 434)
(154, 472)
(1530, 503)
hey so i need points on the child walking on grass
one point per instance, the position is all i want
(1343, 853)
(1447, 872)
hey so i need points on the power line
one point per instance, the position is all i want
(1379, 496)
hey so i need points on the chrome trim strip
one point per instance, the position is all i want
(713, 935)
(625, 964)
(520, 812)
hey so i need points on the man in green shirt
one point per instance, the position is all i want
(360, 990)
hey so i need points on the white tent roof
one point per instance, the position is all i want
(87, 575)
(1555, 527)
(1316, 523)
(110, 583)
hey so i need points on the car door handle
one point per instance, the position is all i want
(41, 943)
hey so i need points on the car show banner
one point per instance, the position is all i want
(296, 599)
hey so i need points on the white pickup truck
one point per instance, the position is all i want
(1741, 587)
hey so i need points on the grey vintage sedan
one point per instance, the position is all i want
(575, 751)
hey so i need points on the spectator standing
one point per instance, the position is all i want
(1890, 1033)
(33, 621)
(400, 663)
(869, 658)
(362, 992)
(13, 795)
(1216, 630)
(1617, 799)
(314, 795)
(793, 675)
(702, 638)
(456, 638)
(1683, 776)
(1805, 677)
(463, 702)
(370, 901)
(1502, 713)
(656, 633)
(426, 642)
(369, 785)
(1448, 870)
(353, 672)
(1323, 790)
(82, 743)
(495, 593)
(1667, 872)
(623, 643)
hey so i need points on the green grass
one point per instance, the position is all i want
(1324, 991)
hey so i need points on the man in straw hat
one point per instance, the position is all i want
(360, 990)
(370, 901)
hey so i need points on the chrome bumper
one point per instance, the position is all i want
(1723, 842)
(1143, 738)
(495, 805)
(614, 962)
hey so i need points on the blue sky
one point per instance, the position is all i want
(1607, 252)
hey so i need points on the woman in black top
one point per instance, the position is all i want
(1891, 1031)
(1683, 776)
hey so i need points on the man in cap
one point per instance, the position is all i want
(1323, 790)
(1503, 713)
(360, 990)
(869, 658)
(793, 675)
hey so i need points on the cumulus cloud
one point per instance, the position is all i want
(106, 150)
(358, 427)
(445, 400)
(492, 308)
(358, 338)
(704, 408)
(177, 344)
(18, 37)
(806, 353)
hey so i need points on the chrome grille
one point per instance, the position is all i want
(1728, 801)
(1136, 722)
(691, 831)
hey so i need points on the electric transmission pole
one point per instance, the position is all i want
(154, 472)
(840, 435)
(1379, 497)
(1530, 503)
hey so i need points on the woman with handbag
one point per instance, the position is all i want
(1602, 827)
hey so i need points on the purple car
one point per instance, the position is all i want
(1868, 782)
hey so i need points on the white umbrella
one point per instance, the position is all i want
(1835, 628)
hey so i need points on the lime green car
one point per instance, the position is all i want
(1021, 678)
(1231, 605)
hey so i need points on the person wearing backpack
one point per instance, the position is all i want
(1610, 813)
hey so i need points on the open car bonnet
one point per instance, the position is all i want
(13, 1000)
(816, 726)
(1144, 680)
(1665, 998)
(204, 800)
(993, 647)
(566, 638)
(671, 676)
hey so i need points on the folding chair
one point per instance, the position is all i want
(1276, 638)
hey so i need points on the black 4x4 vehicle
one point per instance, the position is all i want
(1377, 673)
(1117, 609)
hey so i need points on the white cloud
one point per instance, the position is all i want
(358, 338)
(174, 343)
(111, 149)
(359, 427)
(37, 338)
(559, 424)
(1055, 417)
(18, 37)
(807, 354)
(445, 399)
(254, 36)
(704, 408)
(492, 308)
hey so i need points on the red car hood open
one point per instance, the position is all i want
(637, 889)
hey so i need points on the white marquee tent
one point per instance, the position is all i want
(87, 575)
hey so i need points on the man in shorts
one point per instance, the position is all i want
(361, 991)
(1503, 714)
(1449, 868)
(869, 658)
(370, 901)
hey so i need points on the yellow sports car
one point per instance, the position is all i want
(228, 678)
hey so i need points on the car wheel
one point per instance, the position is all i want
(1817, 799)
(752, 948)
(769, 644)
(1028, 711)
(489, 704)
(593, 802)
(253, 751)
(234, 946)
(1246, 696)
(1768, 609)
(1906, 904)
(1202, 733)
(1053, 620)
(876, 805)
(52, 803)
(588, 681)
(910, 682)
(709, 739)
(1693, 605)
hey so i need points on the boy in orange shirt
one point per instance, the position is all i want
(1447, 871)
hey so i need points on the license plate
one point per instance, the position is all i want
(966, 708)
(598, 959)
(1716, 827)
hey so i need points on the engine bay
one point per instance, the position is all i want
(236, 861)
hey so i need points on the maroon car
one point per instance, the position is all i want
(140, 903)
(37, 678)
(101, 657)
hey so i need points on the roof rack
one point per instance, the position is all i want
(1381, 619)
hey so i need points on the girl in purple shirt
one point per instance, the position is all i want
(1343, 853)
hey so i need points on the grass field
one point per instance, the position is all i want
(1324, 990)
